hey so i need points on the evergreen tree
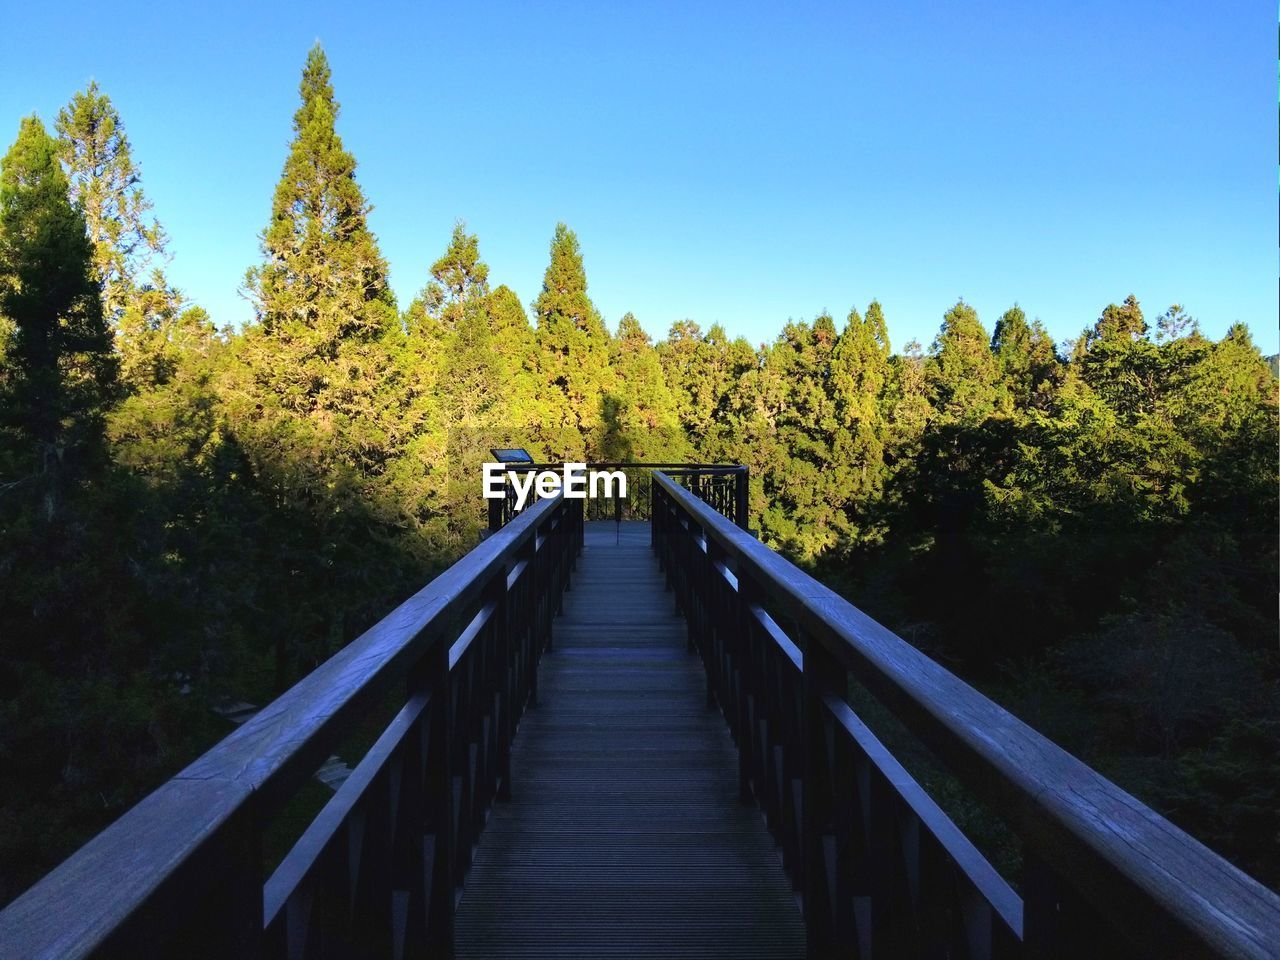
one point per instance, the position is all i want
(107, 187)
(644, 424)
(323, 281)
(1174, 324)
(513, 337)
(859, 378)
(1120, 322)
(963, 373)
(61, 371)
(326, 321)
(704, 372)
(515, 347)
(323, 392)
(1026, 362)
(457, 278)
(907, 409)
(573, 355)
(146, 312)
(805, 491)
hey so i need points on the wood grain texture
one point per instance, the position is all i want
(625, 835)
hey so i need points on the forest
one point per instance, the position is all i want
(194, 514)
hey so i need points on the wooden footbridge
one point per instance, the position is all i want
(633, 739)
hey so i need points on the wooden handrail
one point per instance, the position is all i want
(183, 867)
(1087, 841)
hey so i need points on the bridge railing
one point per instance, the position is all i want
(378, 871)
(882, 871)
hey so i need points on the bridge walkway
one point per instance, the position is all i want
(625, 835)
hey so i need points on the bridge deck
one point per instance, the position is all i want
(624, 836)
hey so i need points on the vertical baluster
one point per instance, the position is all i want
(411, 849)
(369, 838)
(822, 675)
(845, 827)
(790, 752)
(438, 796)
(229, 919)
(743, 638)
(509, 699)
(1059, 924)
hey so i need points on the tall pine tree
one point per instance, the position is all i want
(325, 315)
(107, 185)
(458, 278)
(644, 424)
(859, 378)
(154, 324)
(1027, 362)
(61, 370)
(573, 355)
(320, 394)
(962, 375)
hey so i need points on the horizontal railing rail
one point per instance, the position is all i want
(378, 871)
(881, 870)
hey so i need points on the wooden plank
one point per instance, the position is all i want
(627, 836)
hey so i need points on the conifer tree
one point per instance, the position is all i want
(859, 377)
(1011, 344)
(321, 390)
(645, 425)
(1026, 361)
(107, 185)
(516, 416)
(457, 278)
(1124, 321)
(962, 375)
(61, 371)
(513, 337)
(908, 411)
(573, 354)
(128, 241)
(805, 491)
(704, 372)
(326, 321)
(323, 281)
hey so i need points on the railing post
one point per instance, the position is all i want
(822, 675)
(228, 920)
(439, 804)
(744, 638)
(1058, 924)
(742, 487)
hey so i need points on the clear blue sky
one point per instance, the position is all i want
(740, 163)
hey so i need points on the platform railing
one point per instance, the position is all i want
(377, 873)
(881, 870)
